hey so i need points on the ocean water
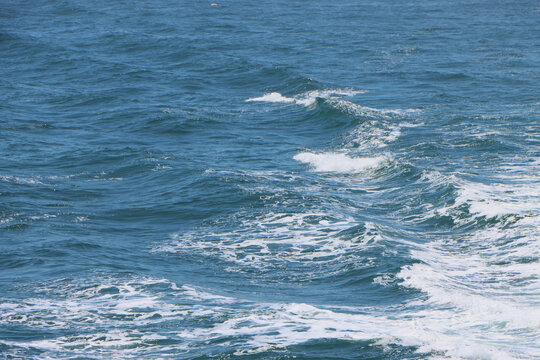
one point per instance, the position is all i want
(269, 180)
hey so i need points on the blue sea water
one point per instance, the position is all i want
(269, 180)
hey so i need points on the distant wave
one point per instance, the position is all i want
(307, 99)
(334, 99)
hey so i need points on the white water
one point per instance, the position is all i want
(338, 162)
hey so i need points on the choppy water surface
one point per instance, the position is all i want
(269, 180)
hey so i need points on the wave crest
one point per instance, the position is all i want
(338, 162)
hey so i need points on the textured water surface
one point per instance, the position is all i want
(269, 180)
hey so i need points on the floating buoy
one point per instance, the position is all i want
(213, 4)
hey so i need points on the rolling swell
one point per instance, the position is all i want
(269, 181)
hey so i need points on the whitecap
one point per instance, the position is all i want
(338, 162)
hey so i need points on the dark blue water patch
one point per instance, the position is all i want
(332, 349)
(11, 260)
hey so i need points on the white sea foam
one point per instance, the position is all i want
(338, 162)
(271, 326)
(493, 307)
(492, 200)
(261, 241)
(106, 317)
(275, 236)
(280, 325)
(485, 284)
(93, 310)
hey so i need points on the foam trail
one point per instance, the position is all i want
(274, 326)
(497, 199)
(337, 162)
(254, 243)
(129, 304)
